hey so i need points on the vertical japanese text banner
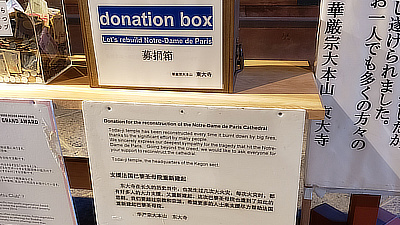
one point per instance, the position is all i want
(357, 146)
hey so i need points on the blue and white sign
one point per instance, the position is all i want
(160, 44)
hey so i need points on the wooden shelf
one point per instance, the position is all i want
(285, 87)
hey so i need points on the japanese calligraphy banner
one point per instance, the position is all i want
(193, 164)
(357, 146)
(158, 43)
(33, 184)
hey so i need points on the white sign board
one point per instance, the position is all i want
(158, 43)
(171, 164)
(33, 184)
(357, 146)
(5, 25)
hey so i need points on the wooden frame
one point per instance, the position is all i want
(230, 10)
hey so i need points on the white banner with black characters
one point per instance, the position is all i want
(33, 184)
(158, 43)
(357, 146)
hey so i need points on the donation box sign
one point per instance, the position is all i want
(33, 184)
(357, 146)
(158, 43)
(173, 164)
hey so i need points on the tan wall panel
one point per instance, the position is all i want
(75, 39)
(279, 43)
(279, 11)
(78, 172)
(268, 2)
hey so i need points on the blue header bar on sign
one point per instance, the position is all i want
(156, 17)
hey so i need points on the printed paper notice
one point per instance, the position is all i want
(34, 187)
(171, 164)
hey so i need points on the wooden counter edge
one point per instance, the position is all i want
(71, 97)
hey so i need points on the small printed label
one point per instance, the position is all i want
(182, 74)
(197, 74)
(203, 74)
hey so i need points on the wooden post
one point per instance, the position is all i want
(306, 206)
(78, 172)
(363, 209)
